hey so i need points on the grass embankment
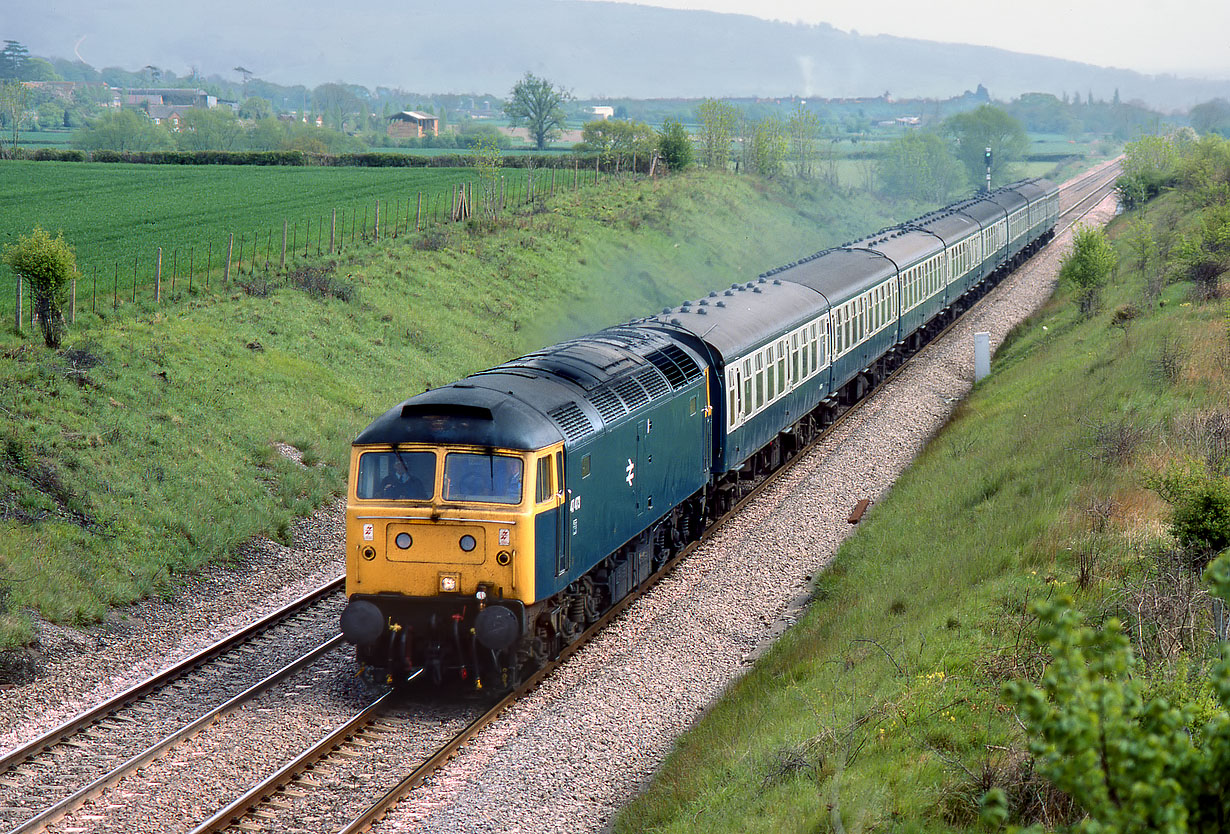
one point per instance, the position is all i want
(144, 449)
(881, 707)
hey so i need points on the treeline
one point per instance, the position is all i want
(366, 159)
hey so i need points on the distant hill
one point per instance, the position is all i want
(594, 48)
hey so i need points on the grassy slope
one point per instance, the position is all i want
(996, 511)
(143, 450)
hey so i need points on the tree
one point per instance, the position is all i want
(13, 60)
(14, 99)
(246, 74)
(538, 104)
(1088, 265)
(337, 103)
(675, 145)
(919, 166)
(202, 129)
(764, 146)
(982, 128)
(256, 108)
(618, 140)
(123, 130)
(48, 264)
(803, 127)
(718, 120)
(1212, 117)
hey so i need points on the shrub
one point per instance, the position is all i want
(48, 264)
(1088, 265)
(1133, 763)
(675, 145)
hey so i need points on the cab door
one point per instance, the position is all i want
(550, 512)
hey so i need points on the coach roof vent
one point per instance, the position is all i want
(573, 422)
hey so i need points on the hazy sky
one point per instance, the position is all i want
(1187, 37)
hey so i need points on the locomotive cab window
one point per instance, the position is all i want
(494, 479)
(396, 476)
(546, 484)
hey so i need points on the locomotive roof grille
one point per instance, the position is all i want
(609, 406)
(573, 422)
(654, 383)
(632, 393)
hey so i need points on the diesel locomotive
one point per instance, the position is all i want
(490, 521)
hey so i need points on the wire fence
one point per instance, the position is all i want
(170, 274)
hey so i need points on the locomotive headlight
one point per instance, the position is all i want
(449, 582)
(467, 543)
(404, 541)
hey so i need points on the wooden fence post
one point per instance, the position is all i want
(282, 263)
(174, 268)
(376, 226)
(333, 233)
(576, 173)
(72, 304)
(230, 247)
(115, 297)
(191, 250)
(134, 278)
(209, 254)
(94, 298)
(17, 323)
(552, 180)
(418, 212)
(158, 276)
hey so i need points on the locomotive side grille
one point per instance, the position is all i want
(608, 405)
(572, 420)
(675, 363)
(632, 393)
(654, 383)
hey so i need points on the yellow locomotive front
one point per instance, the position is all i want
(440, 540)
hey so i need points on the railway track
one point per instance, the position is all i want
(262, 801)
(64, 768)
(347, 779)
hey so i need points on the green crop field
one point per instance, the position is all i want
(115, 213)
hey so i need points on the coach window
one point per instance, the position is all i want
(746, 405)
(759, 379)
(781, 367)
(794, 358)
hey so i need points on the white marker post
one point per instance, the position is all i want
(982, 355)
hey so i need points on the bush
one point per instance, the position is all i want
(675, 145)
(48, 264)
(1133, 763)
(1088, 265)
